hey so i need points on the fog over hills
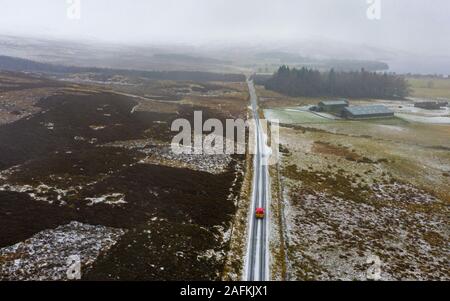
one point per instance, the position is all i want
(410, 35)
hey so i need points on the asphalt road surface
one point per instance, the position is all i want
(257, 259)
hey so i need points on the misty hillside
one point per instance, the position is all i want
(17, 64)
(209, 58)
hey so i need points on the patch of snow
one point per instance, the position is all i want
(45, 255)
(97, 127)
(424, 119)
(110, 199)
(49, 125)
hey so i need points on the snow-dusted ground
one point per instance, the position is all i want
(110, 199)
(39, 192)
(406, 110)
(331, 237)
(424, 119)
(341, 212)
(164, 155)
(45, 255)
(81, 186)
(410, 109)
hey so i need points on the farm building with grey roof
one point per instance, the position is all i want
(333, 106)
(362, 112)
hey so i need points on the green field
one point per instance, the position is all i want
(294, 117)
(430, 87)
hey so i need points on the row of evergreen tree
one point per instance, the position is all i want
(355, 84)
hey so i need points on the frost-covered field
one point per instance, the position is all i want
(349, 196)
(45, 256)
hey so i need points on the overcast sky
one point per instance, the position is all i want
(419, 25)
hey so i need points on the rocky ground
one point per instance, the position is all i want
(45, 255)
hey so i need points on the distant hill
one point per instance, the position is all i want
(293, 60)
(15, 64)
(183, 58)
